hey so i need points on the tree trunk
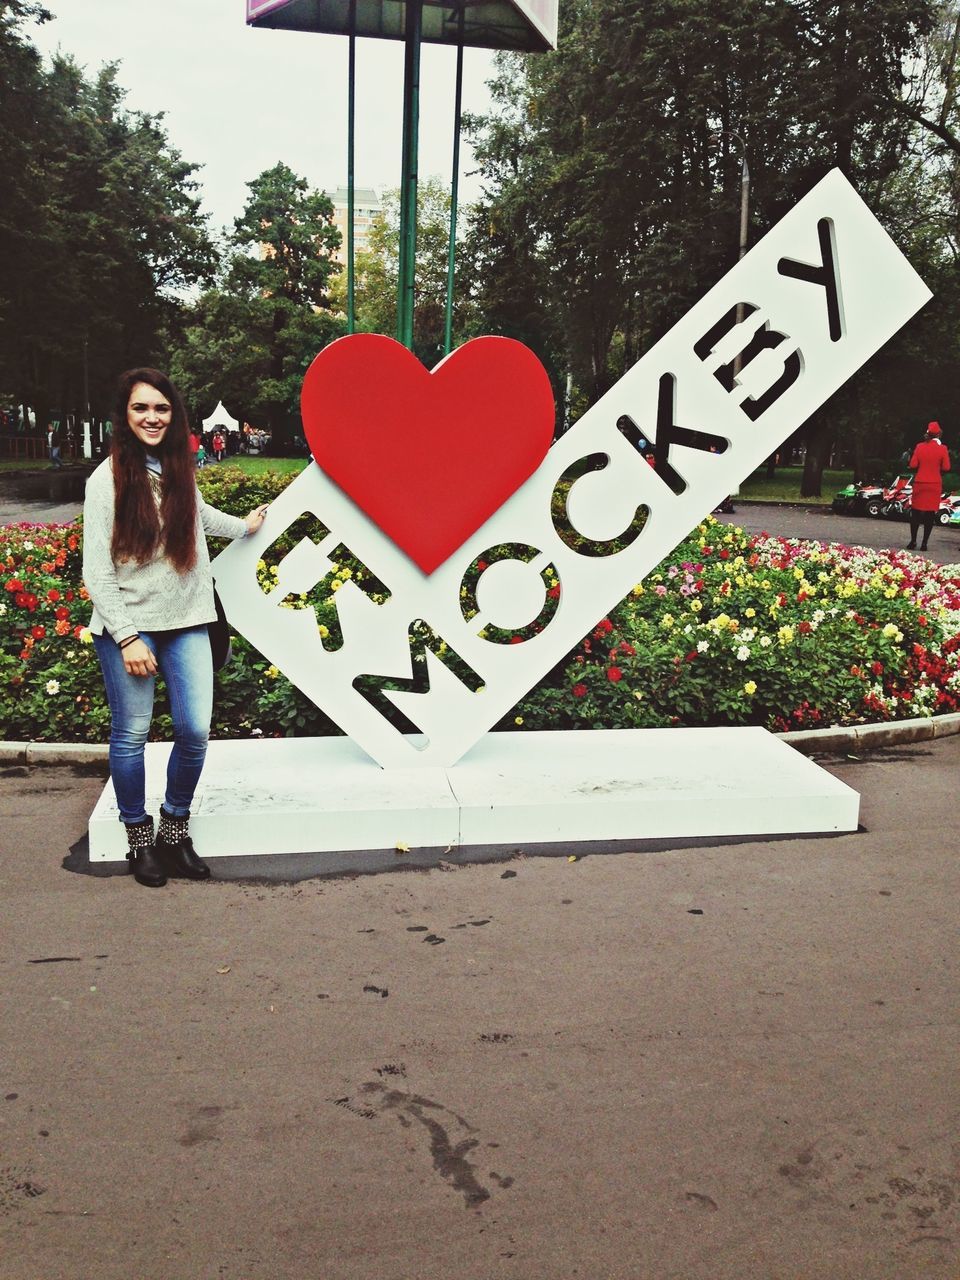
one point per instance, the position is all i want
(859, 459)
(819, 445)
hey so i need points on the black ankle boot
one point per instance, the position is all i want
(142, 855)
(175, 848)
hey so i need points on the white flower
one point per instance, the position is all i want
(703, 646)
(765, 642)
(53, 686)
(28, 546)
(747, 634)
(743, 653)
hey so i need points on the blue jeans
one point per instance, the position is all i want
(186, 665)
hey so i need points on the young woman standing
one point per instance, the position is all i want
(146, 567)
(929, 463)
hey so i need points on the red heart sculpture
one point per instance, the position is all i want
(428, 456)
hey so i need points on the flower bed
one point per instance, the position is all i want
(737, 629)
(729, 629)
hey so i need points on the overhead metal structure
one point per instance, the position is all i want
(521, 25)
(525, 25)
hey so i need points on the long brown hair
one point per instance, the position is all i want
(137, 529)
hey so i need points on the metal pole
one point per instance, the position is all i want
(406, 280)
(454, 189)
(351, 122)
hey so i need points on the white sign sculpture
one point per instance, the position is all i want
(747, 365)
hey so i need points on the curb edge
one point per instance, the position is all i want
(866, 737)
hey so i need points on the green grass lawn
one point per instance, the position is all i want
(256, 466)
(24, 464)
(250, 466)
(786, 486)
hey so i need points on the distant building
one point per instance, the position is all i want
(366, 206)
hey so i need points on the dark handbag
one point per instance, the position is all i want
(219, 632)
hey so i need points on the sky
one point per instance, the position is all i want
(237, 100)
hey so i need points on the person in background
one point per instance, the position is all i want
(929, 462)
(193, 440)
(53, 446)
(147, 571)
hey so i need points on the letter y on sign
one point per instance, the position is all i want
(817, 297)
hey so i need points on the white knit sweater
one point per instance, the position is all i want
(129, 597)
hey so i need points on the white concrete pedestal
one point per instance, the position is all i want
(325, 801)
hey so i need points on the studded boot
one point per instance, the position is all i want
(175, 848)
(142, 855)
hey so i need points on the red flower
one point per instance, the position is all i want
(614, 674)
(14, 584)
(804, 628)
(554, 592)
(62, 612)
(69, 596)
(516, 639)
(628, 649)
(724, 553)
(691, 656)
(876, 668)
(481, 565)
(21, 599)
(38, 632)
(579, 690)
(53, 595)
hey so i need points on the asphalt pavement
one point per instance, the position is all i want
(789, 520)
(724, 1061)
(734, 1061)
(797, 520)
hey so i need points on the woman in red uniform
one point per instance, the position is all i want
(929, 463)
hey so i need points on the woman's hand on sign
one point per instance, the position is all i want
(254, 518)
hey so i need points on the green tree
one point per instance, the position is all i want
(377, 269)
(613, 166)
(100, 228)
(250, 340)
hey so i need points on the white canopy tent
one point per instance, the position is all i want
(220, 418)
